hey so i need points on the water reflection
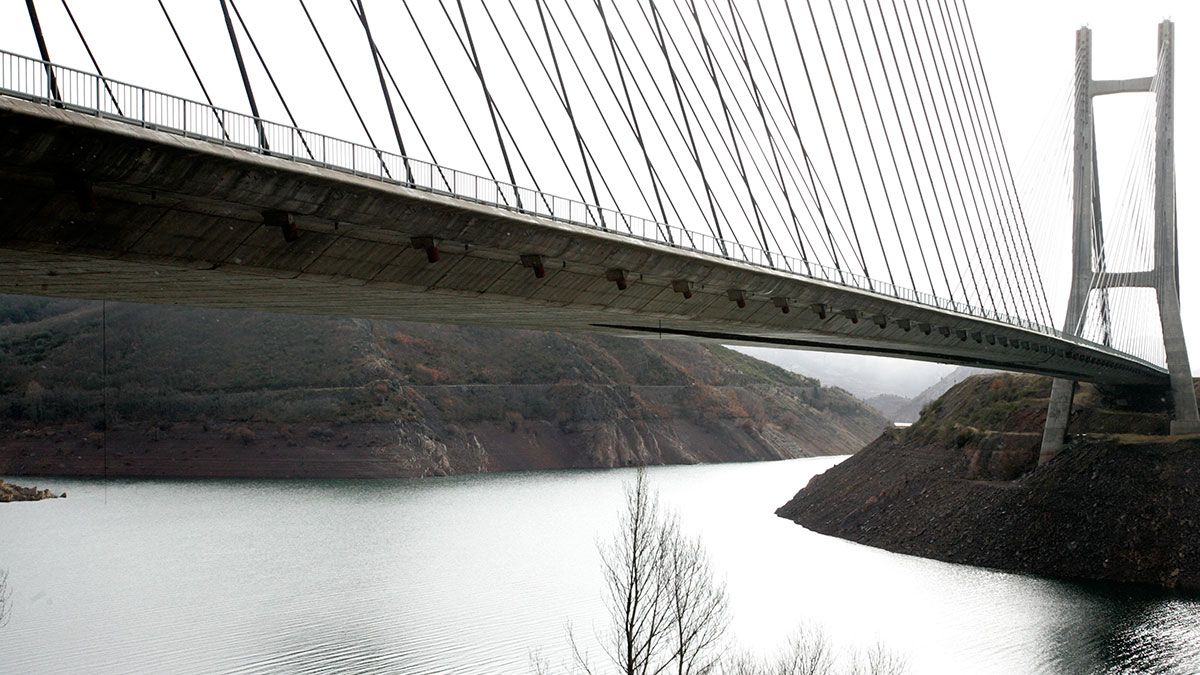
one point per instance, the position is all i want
(1116, 629)
(472, 574)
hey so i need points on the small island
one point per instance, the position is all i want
(17, 493)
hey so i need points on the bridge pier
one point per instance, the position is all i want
(1088, 266)
(1183, 392)
(1058, 417)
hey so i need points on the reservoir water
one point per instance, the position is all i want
(475, 574)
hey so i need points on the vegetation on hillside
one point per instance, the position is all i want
(472, 398)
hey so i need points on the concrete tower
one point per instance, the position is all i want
(1086, 274)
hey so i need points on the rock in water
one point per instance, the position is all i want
(16, 493)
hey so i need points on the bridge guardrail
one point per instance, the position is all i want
(81, 91)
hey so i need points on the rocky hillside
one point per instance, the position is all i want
(1120, 503)
(891, 406)
(185, 392)
(17, 493)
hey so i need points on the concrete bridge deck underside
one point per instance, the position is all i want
(96, 208)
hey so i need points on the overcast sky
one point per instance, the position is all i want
(1027, 49)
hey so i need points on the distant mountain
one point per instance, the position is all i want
(863, 376)
(197, 392)
(912, 411)
(907, 410)
(890, 405)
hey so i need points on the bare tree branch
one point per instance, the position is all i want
(577, 655)
(808, 652)
(878, 660)
(635, 592)
(699, 605)
(5, 596)
(667, 613)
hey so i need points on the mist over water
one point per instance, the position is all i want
(473, 574)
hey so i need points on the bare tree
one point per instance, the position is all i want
(669, 615)
(667, 612)
(538, 664)
(808, 652)
(698, 603)
(878, 660)
(5, 595)
(635, 564)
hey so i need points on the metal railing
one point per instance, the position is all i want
(81, 91)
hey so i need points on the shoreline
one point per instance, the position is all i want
(97, 478)
(385, 450)
(10, 492)
(1119, 504)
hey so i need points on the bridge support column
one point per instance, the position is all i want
(1058, 417)
(1083, 194)
(1166, 250)
(1183, 393)
(1087, 233)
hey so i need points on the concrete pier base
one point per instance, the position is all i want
(1182, 427)
(1058, 417)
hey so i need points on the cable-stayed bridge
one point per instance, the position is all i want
(826, 176)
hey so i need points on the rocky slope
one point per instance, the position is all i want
(184, 392)
(912, 411)
(17, 493)
(1121, 503)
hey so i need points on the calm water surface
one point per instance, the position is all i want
(473, 574)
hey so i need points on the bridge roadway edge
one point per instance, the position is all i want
(180, 221)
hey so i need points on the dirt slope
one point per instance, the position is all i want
(1121, 503)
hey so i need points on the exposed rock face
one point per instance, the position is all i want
(16, 493)
(419, 453)
(1119, 504)
(224, 393)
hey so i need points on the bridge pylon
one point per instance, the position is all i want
(1088, 268)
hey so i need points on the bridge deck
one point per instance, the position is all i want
(181, 220)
